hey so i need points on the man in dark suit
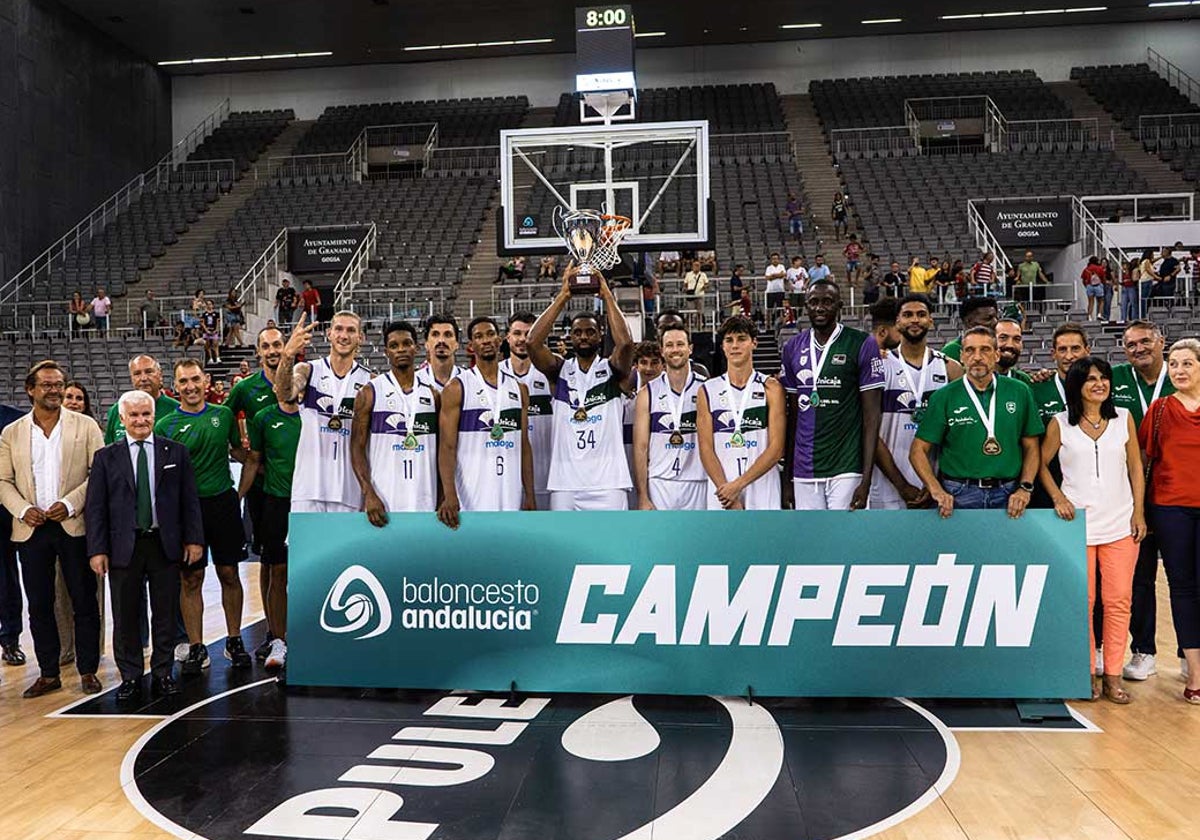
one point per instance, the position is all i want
(11, 605)
(143, 520)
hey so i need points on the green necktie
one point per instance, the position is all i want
(145, 512)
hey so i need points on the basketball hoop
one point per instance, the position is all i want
(613, 230)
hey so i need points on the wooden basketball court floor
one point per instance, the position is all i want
(1137, 777)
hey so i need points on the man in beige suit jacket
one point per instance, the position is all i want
(45, 458)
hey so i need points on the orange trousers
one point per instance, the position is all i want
(1116, 561)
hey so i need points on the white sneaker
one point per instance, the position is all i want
(1184, 672)
(277, 658)
(181, 651)
(1140, 667)
(1099, 661)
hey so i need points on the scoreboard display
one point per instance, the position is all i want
(604, 49)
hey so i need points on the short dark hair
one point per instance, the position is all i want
(1069, 328)
(45, 364)
(916, 297)
(522, 318)
(481, 319)
(737, 324)
(884, 312)
(675, 328)
(258, 337)
(1141, 324)
(1077, 376)
(186, 361)
(980, 330)
(827, 282)
(440, 318)
(399, 326)
(646, 350)
(974, 304)
(591, 316)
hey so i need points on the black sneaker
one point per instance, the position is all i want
(264, 650)
(235, 652)
(197, 660)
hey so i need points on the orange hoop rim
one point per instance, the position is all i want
(614, 225)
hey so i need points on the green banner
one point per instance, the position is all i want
(864, 604)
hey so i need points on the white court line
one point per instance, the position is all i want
(129, 782)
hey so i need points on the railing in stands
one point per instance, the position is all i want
(464, 158)
(1055, 135)
(220, 171)
(1090, 232)
(355, 268)
(413, 303)
(885, 141)
(41, 265)
(1156, 207)
(1164, 131)
(354, 163)
(1174, 75)
(771, 146)
(259, 281)
(985, 240)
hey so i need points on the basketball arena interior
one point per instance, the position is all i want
(183, 183)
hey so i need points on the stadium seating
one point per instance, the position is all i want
(879, 101)
(243, 137)
(1131, 91)
(729, 109)
(917, 206)
(461, 122)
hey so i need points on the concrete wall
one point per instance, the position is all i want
(791, 65)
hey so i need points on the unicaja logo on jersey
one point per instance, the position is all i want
(358, 610)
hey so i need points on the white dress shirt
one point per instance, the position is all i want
(46, 457)
(133, 459)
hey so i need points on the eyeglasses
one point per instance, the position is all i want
(51, 386)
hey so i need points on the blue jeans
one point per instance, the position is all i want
(1129, 303)
(973, 497)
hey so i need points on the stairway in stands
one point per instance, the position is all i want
(1158, 175)
(480, 276)
(180, 255)
(767, 358)
(821, 177)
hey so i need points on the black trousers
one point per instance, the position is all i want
(49, 545)
(147, 564)
(11, 605)
(254, 512)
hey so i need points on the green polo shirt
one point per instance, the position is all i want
(1126, 385)
(1048, 398)
(114, 429)
(250, 395)
(208, 435)
(952, 423)
(1017, 374)
(275, 434)
(953, 350)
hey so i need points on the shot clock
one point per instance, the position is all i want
(604, 48)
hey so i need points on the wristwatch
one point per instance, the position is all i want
(1027, 486)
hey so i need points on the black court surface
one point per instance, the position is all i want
(239, 756)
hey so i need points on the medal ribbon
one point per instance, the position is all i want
(407, 403)
(905, 374)
(820, 360)
(485, 397)
(589, 379)
(988, 419)
(676, 400)
(739, 410)
(1158, 386)
(345, 384)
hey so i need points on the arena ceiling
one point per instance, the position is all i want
(379, 31)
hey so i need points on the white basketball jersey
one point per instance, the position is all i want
(488, 471)
(588, 438)
(323, 472)
(737, 450)
(541, 421)
(673, 451)
(403, 446)
(906, 391)
(425, 376)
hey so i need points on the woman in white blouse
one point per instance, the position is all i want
(1097, 447)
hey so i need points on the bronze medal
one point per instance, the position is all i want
(335, 423)
(581, 415)
(676, 439)
(991, 446)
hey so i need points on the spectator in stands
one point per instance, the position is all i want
(736, 283)
(234, 317)
(670, 261)
(870, 280)
(819, 272)
(1096, 445)
(199, 304)
(983, 274)
(1094, 279)
(650, 289)
(852, 252)
(695, 282)
(511, 269)
(1168, 270)
(776, 276)
(960, 279)
(1029, 271)
(1112, 279)
(1010, 281)
(100, 307)
(1129, 291)
(793, 212)
(216, 392)
(893, 281)
(548, 267)
(743, 306)
(285, 301)
(797, 280)
(183, 335)
(839, 214)
(1170, 437)
(242, 372)
(150, 312)
(77, 314)
(920, 279)
(943, 284)
(77, 399)
(1147, 277)
(708, 260)
(786, 317)
(310, 301)
(210, 332)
